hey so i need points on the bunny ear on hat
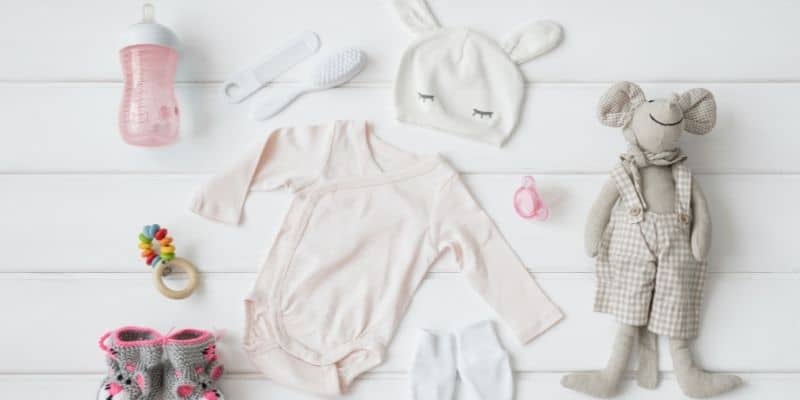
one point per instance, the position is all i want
(416, 16)
(533, 40)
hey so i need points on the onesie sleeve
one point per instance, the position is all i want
(488, 262)
(288, 158)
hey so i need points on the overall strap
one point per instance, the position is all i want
(627, 192)
(683, 190)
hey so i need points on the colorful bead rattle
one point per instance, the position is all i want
(166, 251)
(163, 259)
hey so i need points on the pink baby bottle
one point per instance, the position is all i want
(148, 115)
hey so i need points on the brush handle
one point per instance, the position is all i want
(272, 105)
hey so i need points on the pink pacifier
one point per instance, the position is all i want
(528, 203)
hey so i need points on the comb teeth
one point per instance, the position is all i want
(338, 68)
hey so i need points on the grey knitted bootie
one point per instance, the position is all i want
(192, 369)
(135, 369)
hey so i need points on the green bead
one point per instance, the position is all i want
(167, 256)
(144, 239)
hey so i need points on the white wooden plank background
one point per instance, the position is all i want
(72, 195)
(395, 387)
(559, 133)
(119, 204)
(679, 40)
(89, 303)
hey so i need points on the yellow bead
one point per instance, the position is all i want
(167, 249)
(145, 246)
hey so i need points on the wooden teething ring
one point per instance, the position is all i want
(158, 251)
(181, 264)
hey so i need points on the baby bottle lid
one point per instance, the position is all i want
(148, 31)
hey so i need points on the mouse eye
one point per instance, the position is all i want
(481, 114)
(650, 101)
(425, 97)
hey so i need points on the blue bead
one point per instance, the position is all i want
(156, 260)
(150, 230)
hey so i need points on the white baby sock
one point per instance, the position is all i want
(433, 374)
(483, 363)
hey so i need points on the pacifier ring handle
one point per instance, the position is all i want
(528, 182)
(181, 264)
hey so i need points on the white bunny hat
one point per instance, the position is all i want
(461, 81)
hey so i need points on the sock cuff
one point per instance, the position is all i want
(480, 334)
(435, 346)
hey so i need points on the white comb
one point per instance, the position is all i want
(333, 71)
(249, 80)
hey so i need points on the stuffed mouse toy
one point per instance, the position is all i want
(650, 232)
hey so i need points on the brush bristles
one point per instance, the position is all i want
(338, 68)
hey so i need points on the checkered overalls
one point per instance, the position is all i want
(646, 273)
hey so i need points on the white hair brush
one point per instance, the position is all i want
(331, 72)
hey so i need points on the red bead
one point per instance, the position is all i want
(150, 258)
(160, 234)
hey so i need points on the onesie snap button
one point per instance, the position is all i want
(683, 218)
(635, 211)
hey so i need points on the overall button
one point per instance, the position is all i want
(684, 218)
(635, 211)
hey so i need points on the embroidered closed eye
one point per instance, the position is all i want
(482, 114)
(425, 97)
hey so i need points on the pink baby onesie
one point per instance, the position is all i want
(365, 224)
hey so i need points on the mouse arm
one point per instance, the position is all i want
(599, 216)
(701, 227)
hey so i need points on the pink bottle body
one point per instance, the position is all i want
(148, 114)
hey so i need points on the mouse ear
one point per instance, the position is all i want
(532, 41)
(616, 106)
(416, 15)
(699, 111)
